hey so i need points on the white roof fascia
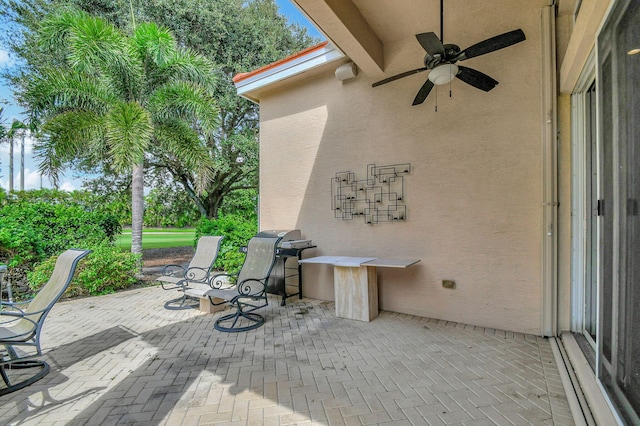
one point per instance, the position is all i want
(288, 69)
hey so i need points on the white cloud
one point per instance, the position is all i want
(31, 179)
(67, 186)
(28, 146)
(5, 60)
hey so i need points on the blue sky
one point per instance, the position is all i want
(288, 9)
(69, 181)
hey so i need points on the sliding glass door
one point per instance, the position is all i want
(619, 260)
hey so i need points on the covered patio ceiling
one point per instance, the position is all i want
(367, 30)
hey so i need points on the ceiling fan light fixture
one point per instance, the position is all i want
(443, 74)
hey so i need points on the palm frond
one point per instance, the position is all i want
(191, 66)
(93, 41)
(72, 133)
(154, 43)
(64, 138)
(97, 48)
(179, 140)
(55, 29)
(128, 130)
(61, 90)
(186, 101)
(49, 164)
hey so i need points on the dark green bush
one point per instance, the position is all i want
(37, 226)
(105, 270)
(237, 231)
(31, 232)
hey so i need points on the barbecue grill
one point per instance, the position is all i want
(286, 275)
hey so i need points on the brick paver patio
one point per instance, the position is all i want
(124, 359)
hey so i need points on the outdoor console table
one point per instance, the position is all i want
(355, 283)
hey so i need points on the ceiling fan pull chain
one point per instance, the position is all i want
(436, 98)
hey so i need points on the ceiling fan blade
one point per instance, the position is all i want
(398, 76)
(476, 78)
(492, 44)
(431, 43)
(423, 93)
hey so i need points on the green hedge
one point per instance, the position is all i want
(103, 271)
(31, 232)
(34, 232)
(237, 231)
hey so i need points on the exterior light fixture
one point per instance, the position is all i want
(346, 71)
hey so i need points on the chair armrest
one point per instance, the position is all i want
(249, 287)
(223, 281)
(197, 274)
(173, 271)
(13, 314)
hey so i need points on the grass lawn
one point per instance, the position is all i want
(158, 238)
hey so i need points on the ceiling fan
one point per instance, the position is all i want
(441, 59)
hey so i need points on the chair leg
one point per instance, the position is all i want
(227, 323)
(179, 303)
(17, 365)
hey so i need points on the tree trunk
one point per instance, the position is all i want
(137, 207)
(22, 163)
(11, 164)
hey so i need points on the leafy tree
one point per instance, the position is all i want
(239, 36)
(111, 194)
(115, 98)
(236, 35)
(167, 205)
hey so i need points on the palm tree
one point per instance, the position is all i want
(3, 131)
(116, 98)
(17, 126)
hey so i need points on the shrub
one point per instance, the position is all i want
(105, 270)
(31, 232)
(237, 231)
(34, 226)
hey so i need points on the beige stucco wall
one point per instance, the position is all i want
(474, 194)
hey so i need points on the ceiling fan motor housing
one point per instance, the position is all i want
(451, 50)
(450, 54)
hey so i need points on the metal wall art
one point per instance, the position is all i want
(378, 198)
